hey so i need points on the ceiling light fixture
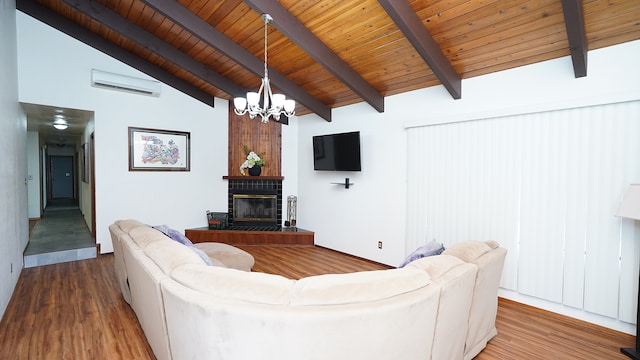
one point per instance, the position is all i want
(272, 105)
(60, 123)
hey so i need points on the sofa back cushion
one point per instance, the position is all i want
(145, 235)
(168, 255)
(358, 287)
(204, 325)
(436, 266)
(468, 251)
(129, 224)
(232, 284)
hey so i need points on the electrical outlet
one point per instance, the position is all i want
(379, 244)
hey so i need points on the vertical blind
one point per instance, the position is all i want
(544, 185)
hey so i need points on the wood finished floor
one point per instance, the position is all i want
(75, 311)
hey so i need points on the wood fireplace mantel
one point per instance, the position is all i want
(248, 178)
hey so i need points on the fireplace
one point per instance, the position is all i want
(259, 209)
(255, 204)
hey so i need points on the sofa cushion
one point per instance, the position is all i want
(492, 244)
(169, 254)
(232, 284)
(364, 286)
(128, 225)
(468, 251)
(145, 235)
(228, 255)
(436, 266)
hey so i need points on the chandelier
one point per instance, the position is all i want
(272, 104)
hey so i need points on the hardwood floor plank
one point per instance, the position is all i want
(75, 311)
(296, 262)
(525, 332)
(71, 310)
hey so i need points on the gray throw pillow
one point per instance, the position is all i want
(429, 249)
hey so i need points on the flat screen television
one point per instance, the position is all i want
(337, 152)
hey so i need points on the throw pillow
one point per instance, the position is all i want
(430, 249)
(179, 237)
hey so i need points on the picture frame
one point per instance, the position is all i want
(85, 158)
(159, 150)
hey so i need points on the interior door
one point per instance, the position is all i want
(61, 176)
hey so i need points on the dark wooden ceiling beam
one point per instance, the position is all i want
(122, 26)
(45, 15)
(307, 41)
(411, 26)
(576, 33)
(214, 38)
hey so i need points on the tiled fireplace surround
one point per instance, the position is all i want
(256, 186)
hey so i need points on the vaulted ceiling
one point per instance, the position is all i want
(330, 53)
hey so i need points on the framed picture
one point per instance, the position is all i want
(84, 158)
(158, 150)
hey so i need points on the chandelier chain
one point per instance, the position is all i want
(266, 71)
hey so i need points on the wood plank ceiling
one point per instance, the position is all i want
(331, 53)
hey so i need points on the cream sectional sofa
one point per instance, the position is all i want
(189, 310)
(489, 258)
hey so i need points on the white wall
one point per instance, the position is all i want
(289, 162)
(85, 190)
(178, 199)
(33, 174)
(14, 228)
(372, 209)
(375, 207)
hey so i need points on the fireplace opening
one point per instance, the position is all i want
(255, 210)
(254, 204)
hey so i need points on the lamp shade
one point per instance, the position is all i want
(278, 100)
(240, 103)
(289, 106)
(253, 98)
(630, 207)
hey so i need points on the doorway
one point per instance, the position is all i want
(59, 226)
(61, 183)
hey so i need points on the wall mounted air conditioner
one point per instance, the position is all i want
(107, 80)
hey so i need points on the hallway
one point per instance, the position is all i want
(61, 235)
